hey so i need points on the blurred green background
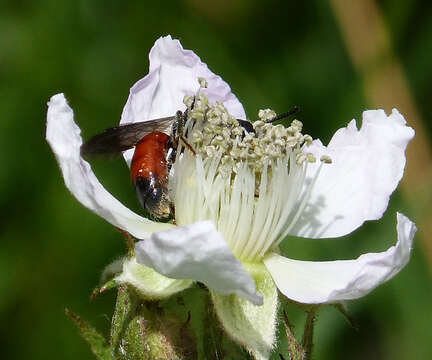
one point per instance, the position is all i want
(273, 54)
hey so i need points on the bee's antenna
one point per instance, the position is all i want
(293, 111)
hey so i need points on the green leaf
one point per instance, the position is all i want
(97, 342)
(101, 289)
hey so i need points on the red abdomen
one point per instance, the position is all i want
(149, 174)
(150, 156)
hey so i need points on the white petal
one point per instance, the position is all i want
(64, 137)
(331, 281)
(174, 73)
(197, 252)
(367, 167)
(150, 284)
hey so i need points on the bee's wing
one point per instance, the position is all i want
(123, 137)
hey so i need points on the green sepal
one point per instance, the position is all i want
(150, 284)
(307, 341)
(97, 342)
(133, 344)
(295, 350)
(101, 289)
(216, 343)
(251, 326)
(125, 309)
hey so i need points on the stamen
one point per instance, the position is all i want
(325, 159)
(251, 185)
(266, 115)
(203, 82)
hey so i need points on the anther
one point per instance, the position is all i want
(311, 158)
(266, 115)
(203, 82)
(326, 159)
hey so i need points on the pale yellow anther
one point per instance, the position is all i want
(203, 82)
(197, 136)
(266, 139)
(297, 124)
(188, 100)
(203, 100)
(266, 115)
(291, 130)
(291, 141)
(279, 131)
(307, 139)
(300, 158)
(258, 150)
(226, 159)
(210, 150)
(258, 124)
(237, 131)
(310, 158)
(214, 132)
(248, 138)
(208, 129)
(326, 159)
(225, 132)
(280, 142)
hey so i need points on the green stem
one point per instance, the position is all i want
(307, 342)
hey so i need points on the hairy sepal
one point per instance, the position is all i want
(148, 283)
(251, 326)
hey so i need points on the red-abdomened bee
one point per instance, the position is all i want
(153, 156)
(151, 160)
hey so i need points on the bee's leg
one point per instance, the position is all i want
(184, 141)
(180, 121)
(178, 129)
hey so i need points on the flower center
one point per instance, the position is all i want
(250, 183)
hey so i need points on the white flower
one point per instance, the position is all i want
(231, 220)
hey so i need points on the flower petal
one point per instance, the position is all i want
(367, 166)
(149, 283)
(173, 74)
(197, 252)
(331, 281)
(253, 327)
(64, 137)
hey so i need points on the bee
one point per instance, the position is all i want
(151, 161)
(155, 143)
